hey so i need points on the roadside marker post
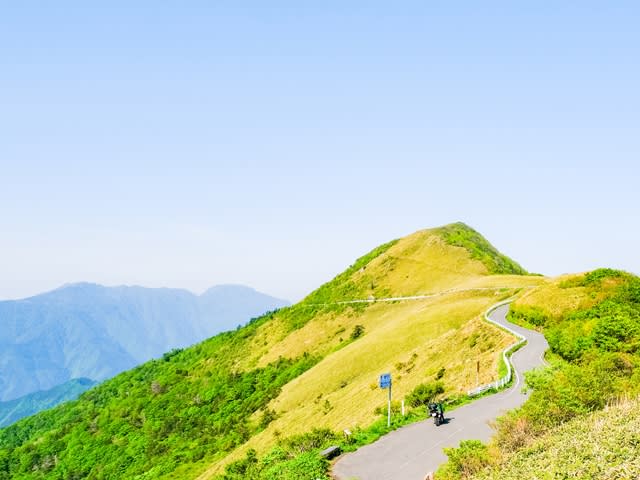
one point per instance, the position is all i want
(385, 382)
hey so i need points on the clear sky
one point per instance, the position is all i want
(192, 143)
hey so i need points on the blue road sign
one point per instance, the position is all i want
(385, 380)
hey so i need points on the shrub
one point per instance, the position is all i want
(425, 393)
(597, 276)
(268, 416)
(396, 407)
(465, 461)
(532, 315)
(357, 332)
(315, 439)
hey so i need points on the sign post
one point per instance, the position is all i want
(385, 382)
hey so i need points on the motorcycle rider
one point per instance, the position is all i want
(436, 408)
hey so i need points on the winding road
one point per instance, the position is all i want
(412, 451)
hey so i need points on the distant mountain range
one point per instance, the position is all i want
(90, 331)
(14, 410)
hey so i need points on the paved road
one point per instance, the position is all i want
(412, 451)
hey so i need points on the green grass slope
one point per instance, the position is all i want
(194, 410)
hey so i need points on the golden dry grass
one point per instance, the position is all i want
(421, 263)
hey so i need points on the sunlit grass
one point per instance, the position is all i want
(604, 445)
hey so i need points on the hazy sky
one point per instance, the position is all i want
(191, 143)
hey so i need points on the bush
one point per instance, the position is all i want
(425, 393)
(531, 315)
(268, 416)
(396, 407)
(295, 458)
(306, 466)
(597, 276)
(315, 439)
(465, 461)
(357, 332)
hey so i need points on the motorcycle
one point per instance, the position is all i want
(437, 413)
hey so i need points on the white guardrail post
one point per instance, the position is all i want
(507, 378)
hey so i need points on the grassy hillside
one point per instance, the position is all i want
(314, 364)
(592, 323)
(604, 444)
(412, 340)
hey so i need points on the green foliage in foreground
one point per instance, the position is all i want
(295, 458)
(470, 458)
(596, 362)
(147, 422)
(604, 445)
(461, 235)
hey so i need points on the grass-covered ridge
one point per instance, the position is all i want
(461, 235)
(345, 287)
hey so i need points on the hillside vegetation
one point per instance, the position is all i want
(239, 395)
(461, 235)
(592, 323)
(605, 444)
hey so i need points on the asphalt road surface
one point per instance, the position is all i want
(412, 451)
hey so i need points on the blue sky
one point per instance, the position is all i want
(192, 143)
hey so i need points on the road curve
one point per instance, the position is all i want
(411, 452)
